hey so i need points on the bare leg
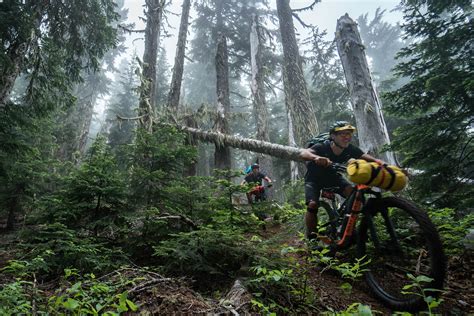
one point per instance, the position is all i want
(249, 197)
(311, 220)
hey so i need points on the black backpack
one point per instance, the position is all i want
(320, 139)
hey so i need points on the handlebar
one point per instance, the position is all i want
(338, 167)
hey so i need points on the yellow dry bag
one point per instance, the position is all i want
(373, 174)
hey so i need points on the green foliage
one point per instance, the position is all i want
(60, 40)
(74, 226)
(417, 288)
(294, 193)
(93, 196)
(272, 287)
(281, 281)
(97, 189)
(452, 228)
(27, 165)
(215, 245)
(355, 309)
(90, 296)
(77, 295)
(53, 247)
(18, 298)
(438, 101)
(353, 271)
(328, 91)
(382, 41)
(158, 159)
(123, 104)
(204, 253)
(270, 280)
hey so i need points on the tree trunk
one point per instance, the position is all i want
(16, 54)
(294, 174)
(13, 205)
(148, 86)
(222, 154)
(302, 112)
(371, 126)
(87, 112)
(237, 300)
(175, 88)
(74, 133)
(191, 169)
(257, 146)
(204, 160)
(258, 93)
(11, 72)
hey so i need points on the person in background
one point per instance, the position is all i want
(255, 177)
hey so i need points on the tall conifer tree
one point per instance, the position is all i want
(438, 99)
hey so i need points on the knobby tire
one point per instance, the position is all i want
(414, 230)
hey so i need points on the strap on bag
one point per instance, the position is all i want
(392, 180)
(375, 172)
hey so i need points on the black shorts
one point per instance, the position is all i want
(312, 190)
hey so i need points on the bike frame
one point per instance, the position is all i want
(357, 202)
(351, 210)
(258, 192)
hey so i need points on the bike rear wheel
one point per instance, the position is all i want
(400, 239)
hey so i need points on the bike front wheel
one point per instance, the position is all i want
(406, 262)
(327, 220)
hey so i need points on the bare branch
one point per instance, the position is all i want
(128, 30)
(301, 21)
(145, 285)
(188, 58)
(121, 118)
(310, 7)
(178, 217)
(240, 95)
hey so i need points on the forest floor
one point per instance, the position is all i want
(458, 298)
(158, 295)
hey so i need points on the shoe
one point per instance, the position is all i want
(315, 244)
(311, 236)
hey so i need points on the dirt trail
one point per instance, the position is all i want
(458, 298)
(329, 287)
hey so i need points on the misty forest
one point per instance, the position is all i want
(123, 158)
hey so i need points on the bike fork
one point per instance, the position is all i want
(373, 232)
(390, 230)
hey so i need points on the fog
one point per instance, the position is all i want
(324, 15)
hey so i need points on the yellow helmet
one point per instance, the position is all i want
(341, 126)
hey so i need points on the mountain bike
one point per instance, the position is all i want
(394, 236)
(257, 193)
